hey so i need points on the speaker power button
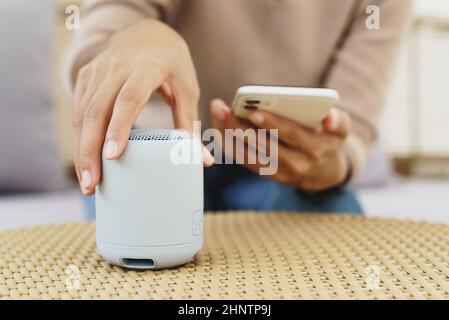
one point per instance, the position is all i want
(197, 227)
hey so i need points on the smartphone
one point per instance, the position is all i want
(306, 106)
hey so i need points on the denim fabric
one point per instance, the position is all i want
(232, 187)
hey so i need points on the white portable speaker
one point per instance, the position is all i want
(149, 204)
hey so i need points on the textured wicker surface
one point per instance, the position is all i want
(246, 255)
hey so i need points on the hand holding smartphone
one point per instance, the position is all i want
(306, 106)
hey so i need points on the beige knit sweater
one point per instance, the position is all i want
(317, 43)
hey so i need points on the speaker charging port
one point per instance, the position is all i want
(138, 263)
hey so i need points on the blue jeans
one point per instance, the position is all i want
(232, 187)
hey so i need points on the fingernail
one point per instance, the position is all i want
(334, 122)
(110, 150)
(219, 112)
(256, 118)
(86, 180)
(218, 100)
(208, 159)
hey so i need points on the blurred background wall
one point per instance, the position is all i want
(415, 128)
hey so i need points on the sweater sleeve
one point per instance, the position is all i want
(361, 68)
(100, 19)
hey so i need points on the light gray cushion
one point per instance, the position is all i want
(28, 154)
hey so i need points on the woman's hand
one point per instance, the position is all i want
(111, 90)
(307, 159)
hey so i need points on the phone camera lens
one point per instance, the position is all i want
(252, 101)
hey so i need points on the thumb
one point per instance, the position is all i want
(337, 122)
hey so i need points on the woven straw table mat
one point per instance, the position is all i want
(245, 256)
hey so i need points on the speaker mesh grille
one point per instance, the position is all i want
(157, 135)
